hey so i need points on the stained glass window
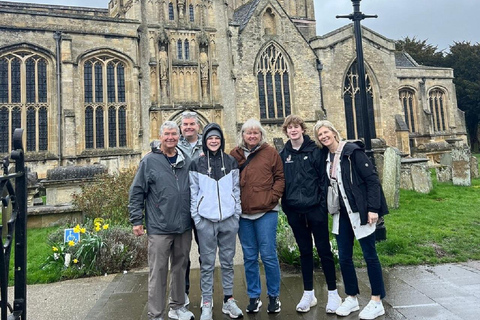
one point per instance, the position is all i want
(24, 99)
(105, 122)
(352, 105)
(273, 84)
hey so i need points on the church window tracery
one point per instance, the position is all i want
(191, 13)
(24, 99)
(171, 15)
(105, 121)
(179, 50)
(352, 104)
(273, 84)
(187, 50)
(409, 104)
(436, 100)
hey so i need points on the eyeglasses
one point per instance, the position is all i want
(189, 113)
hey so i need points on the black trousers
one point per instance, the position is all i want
(304, 226)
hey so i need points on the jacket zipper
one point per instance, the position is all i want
(219, 202)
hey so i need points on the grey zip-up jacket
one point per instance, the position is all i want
(214, 184)
(162, 191)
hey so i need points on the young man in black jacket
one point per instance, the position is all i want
(302, 202)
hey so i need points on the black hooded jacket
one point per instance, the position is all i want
(361, 182)
(304, 177)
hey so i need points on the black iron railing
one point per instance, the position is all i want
(13, 230)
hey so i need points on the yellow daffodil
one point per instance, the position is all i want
(75, 261)
(97, 228)
(83, 230)
(105, 226)
(55, 249)
(76, 229)
(71, 243)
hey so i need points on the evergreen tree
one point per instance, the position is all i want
(423, 53)
(464, 58)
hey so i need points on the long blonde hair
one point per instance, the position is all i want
(326, 124)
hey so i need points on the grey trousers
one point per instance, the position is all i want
(161, 248)
(210, 236)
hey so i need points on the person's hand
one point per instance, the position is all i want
(138, 230)
(372, 217)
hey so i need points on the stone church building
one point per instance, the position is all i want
(94, 85)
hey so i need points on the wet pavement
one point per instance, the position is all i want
(449, 291)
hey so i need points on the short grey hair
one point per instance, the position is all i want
(251, 124)
(169, 125)
(190, 115)
(330, 126)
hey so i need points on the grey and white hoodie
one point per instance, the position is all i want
(214, 183)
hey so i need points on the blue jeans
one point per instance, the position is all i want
(260, 236)
(345, 240)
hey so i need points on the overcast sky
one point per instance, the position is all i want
(440, 22)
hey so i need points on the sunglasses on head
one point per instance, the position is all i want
(189, 113)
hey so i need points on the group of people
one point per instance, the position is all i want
(188, 182)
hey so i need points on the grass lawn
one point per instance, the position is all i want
(37, 252)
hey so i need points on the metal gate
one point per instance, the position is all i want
(13, 230)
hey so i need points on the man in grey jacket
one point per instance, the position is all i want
(161, 192)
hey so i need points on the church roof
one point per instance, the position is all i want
(404, 60)
(242, 15)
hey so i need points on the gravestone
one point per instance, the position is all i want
(474, 167)
(408, 180)
(391, 177)
(444, 173)
(461, 166)
(421, 179)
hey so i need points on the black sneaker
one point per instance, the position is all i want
(273, 304)
(254, 306)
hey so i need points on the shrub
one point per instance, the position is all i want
(101, 249)
(287, 247)
(106, 198)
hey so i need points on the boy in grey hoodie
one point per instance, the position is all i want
(215, 208)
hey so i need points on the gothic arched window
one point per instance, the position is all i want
(187, 50)
(24, 99)
(105, 121)
(179, 50)
(436, 99)
(273, 81)
(171, 15)
(409, 104)
(191, 13)
(353, 108)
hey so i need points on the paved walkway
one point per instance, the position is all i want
(450, 291)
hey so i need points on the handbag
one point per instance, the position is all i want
(333, 200)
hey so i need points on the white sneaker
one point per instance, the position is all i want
(180, 314)
(206, 311)
(230, 307)
(372, 310)
(308, 300)
(334, 301)
(348, 306)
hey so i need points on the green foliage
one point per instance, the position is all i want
(106, 198)
(464, 58)
(101, 250)
(422, 52)
(287, 248)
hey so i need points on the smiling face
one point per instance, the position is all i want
(169, 139)
(294, 132)
(190, 129)
(327, 138)
(252, 137)
(214, 143)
